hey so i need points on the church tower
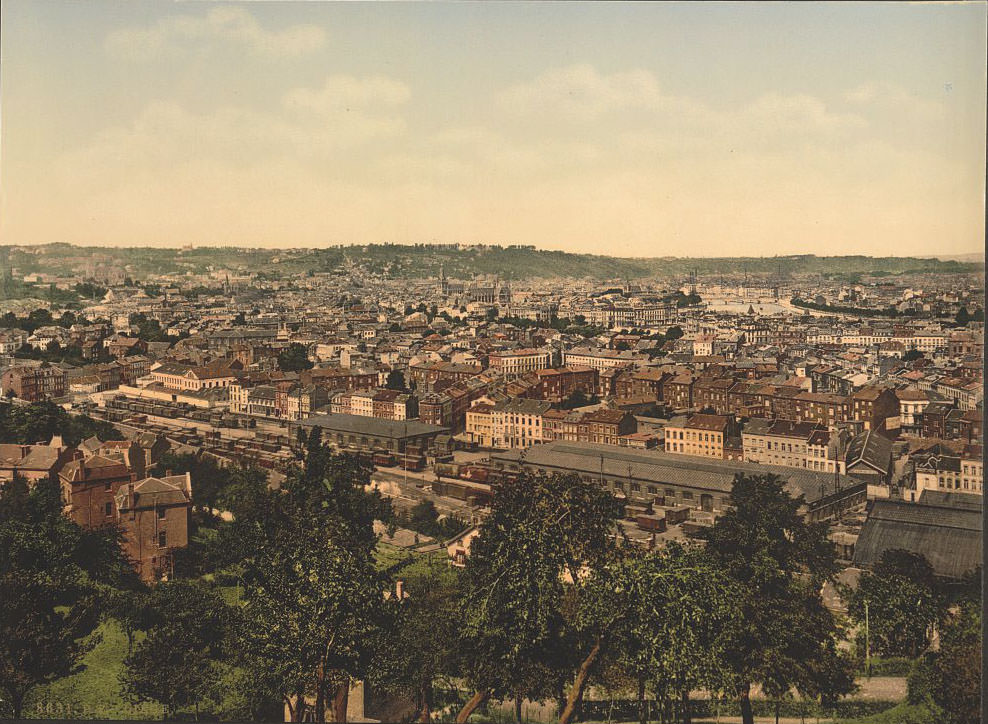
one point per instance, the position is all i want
(443, 281)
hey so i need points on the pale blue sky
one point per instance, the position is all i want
(634, 128)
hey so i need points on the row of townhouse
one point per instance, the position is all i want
(926, 341)
(512, 363)
(783, 443)
(521, 423)
(426, 375)
(287, 400)
(794, 444)
(383, 403)
(33, 383)
(703, 435)
(448, 407)
(629, 316)
(601, 359)
(949, 468)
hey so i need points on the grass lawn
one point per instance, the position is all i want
(94, 692)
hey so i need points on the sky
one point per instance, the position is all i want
(633, 129)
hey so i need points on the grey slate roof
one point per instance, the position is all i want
(871, 449)
(654, 466)
(377, 427)
(949, 535)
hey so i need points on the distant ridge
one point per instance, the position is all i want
(463, 261)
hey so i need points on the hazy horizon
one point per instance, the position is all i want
(636, 130)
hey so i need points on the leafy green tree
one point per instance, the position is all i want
(421, 644)
(784, 637)
(148, 328)
(208, 477)
(541, 530)
(244, 492)
(311, 606)
(911, 355)
(678, 604)
(958, 665)
(903, 604)
(177, 664)
(674, 332)
(294, 358)
(962, 317)
(312, 595)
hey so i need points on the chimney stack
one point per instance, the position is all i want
(399, 589)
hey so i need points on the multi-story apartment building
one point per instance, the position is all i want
(381, 403)
(512, 363)
(304, 400)
(606, 426)
(601, 359)
(944, 468)
(601, 426)
(555, 385)
(793, 444)
(640, 382)
(177, 376)
(677, 391)
(518, 423)
(824, 408)
(34, 383)
(480, 424)
(824, 451)
(912, 402)
(700, 435)
(871, 406)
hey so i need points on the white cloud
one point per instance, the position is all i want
(344, 92)
(225, 23)
(581, 92)
(895, 98)
(167, 133)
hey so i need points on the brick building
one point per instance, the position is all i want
(89, 487)
(154, 515)
(34, 383)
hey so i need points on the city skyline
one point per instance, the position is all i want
(634, 130)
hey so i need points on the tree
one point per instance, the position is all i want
(420, 645)
(311, 606)
(294, 358)
(541, 530)
(622, 346)
(676, 606)
(958, 665)
(396, 381)
(903, 603)
(963, 317)
(784, 637)
(177, 664)
(312, 596)
(209, 478)
(911, 355)
(674, 332)
(491, 314)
